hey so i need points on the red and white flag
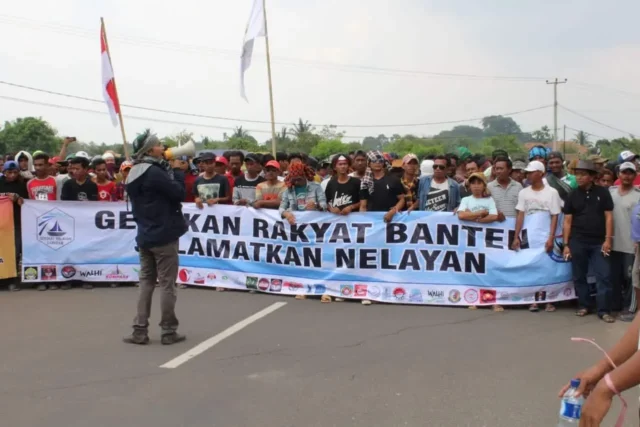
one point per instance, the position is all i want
(108, 81)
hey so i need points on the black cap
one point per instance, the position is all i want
(253, 157)
(206, 156)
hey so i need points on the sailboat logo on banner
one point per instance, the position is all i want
(56, 229)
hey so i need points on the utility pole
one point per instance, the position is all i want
(555, 84)
(564, 142)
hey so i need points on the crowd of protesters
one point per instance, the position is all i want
(599, 200)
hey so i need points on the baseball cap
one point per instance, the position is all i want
(535, 166)
(409, 157)
(272, 164)
(519, 165)
(252, 157)
(627, 166)
(126, 165)
(221, 159)
(82, 154)
(54, 160)
(10, 165)
(627, 156)
(207, 156)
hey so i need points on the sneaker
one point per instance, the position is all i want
(13, 287)
(300, 297)
(137, 339)
(366, 302)
(65, 286)
(172, 338)
(53, 287)
(41, 287)
(626, 317)
(87, 286)
(219, 289)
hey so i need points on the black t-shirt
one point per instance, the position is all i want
(245, 188)
(18, 187)
(385, 194)
(214, 188)
(342, 195)
(587, 208)
(87, 191)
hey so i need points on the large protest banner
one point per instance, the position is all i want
(8, 266)
(421, 257)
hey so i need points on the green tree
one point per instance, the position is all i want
(542, 135)
(582, 139)
(29, 134)
(328, 147)
(247, 143)
(500, 125)
(301, 128)
(463, 131)
(240, 133)
(331, 132)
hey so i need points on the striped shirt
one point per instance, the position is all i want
(506, 198)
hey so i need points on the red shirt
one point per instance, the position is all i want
(636, 182)
(42, 189)
(107, 192)
(189, 180)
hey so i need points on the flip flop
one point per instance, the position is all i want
(497, 308)
(607, 318)
(549, 308)
(534, 308)
(582, 312)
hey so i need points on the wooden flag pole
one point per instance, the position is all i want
(273, 120)
(124, 137)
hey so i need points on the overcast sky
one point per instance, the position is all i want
(185, 56)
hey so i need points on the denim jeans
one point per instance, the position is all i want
(621, 264)
(584, 255)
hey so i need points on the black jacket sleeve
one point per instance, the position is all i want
(160, 182)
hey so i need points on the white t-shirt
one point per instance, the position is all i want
(60, 180)
(473, 204)
(545, 200)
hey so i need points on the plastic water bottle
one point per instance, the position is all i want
(571, 406)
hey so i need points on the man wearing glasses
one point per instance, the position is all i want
(439, 193)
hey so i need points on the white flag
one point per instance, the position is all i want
(255, 29)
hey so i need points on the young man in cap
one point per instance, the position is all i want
(269, 192)
(631, 157)
(438, 193)
(13, 186)
(156, 202)
(625, 197)
(244, 190)
(587, 237)
(210, 188)
(503, 189)
(343, 191)
(537, 197)
(517, 171)
(222, 169)
(410, 181)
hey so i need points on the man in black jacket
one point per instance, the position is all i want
(156, 202)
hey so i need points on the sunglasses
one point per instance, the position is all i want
(441, 167)
(377, 161)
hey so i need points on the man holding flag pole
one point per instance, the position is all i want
(257, 27)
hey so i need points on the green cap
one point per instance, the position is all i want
(463, 154)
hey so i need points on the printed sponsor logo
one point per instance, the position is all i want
(503, 296)
(199, 279)
(90, 273)
(184, 275)
(415, 295)
(374, 291)
(454, 296)
(346, 290)
(68, 271)
(117, 274)
(516, 298)
(293, 287)
(558, 248)
(567, 292)
(360, 291)
(263, 285)
(30, 273)
(56, 229)
(48, 272)
(488, 296)
(432, 293)
(553, 294)
(225, 277)
(529, 297)
(251, 283)
(471, 296)
(319, 289)
(540, 296)
(399, 294)
(276, 285)
(211, 277)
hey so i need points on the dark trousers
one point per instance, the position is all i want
(584, 255)
(621, 265)
(159, 264)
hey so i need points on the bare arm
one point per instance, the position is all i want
(566, 228)
(554, 227)
(487, 219)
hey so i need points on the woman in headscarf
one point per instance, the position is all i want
(302, 194)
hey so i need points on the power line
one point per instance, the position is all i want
(585, 85)
(231, 54)
(587, 133)
(596, 121)
(446, 122)
(150, 119)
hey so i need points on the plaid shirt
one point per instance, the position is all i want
(410, 191)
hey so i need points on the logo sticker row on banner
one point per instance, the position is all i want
(419, 258)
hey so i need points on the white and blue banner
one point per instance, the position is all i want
(418, 258)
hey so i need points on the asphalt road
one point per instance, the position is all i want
(62, 363)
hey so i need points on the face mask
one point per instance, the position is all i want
(111, 168)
